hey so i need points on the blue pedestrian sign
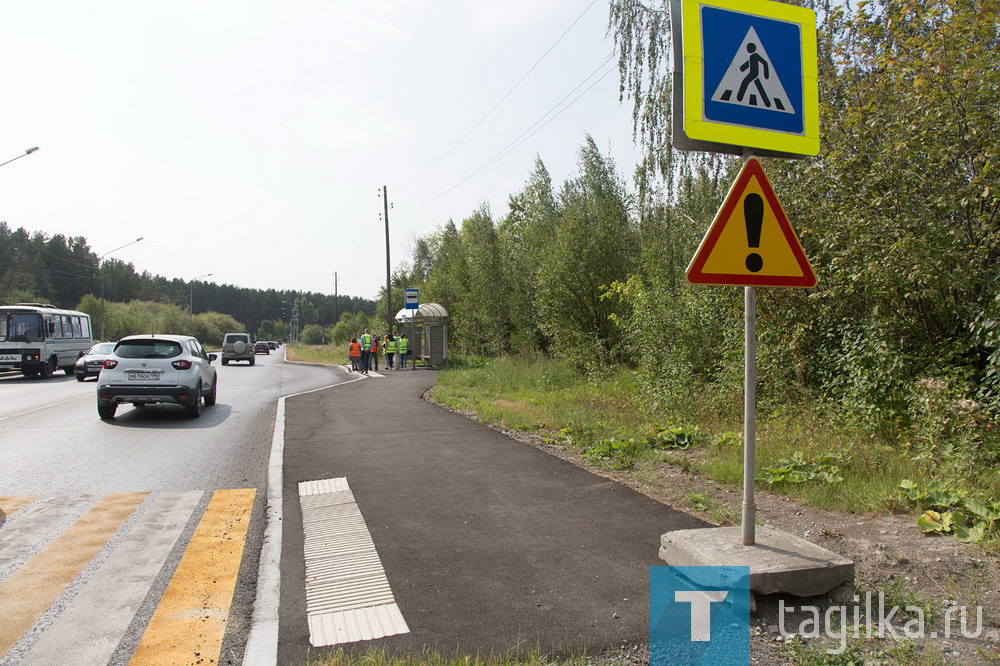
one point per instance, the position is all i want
(748, 77)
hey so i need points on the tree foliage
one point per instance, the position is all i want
(35, 267)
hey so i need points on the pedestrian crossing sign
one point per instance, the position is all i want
(750, 242)
(749, 76)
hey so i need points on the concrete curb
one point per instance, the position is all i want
(262, 640)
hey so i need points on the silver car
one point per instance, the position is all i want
(148, 369)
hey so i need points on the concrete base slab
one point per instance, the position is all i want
(780, 563)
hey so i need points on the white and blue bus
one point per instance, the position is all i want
(39, 339)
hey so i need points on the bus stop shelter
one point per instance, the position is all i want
(427, 330)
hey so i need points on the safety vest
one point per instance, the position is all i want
(355, 351)
(404, 346)
(366, 342)
(391, 346)
(375, 345)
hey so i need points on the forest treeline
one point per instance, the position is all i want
(898, 215)
(35, 267)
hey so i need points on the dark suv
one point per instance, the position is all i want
(237, 347)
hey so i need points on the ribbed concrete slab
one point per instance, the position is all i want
(348, 597)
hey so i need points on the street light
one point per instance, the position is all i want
(27, 152)
(100, 268)
(191, 304)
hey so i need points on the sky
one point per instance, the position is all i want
(251, 139)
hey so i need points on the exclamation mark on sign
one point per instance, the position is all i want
(753, 214)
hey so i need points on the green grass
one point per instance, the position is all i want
(334, 354)
(548, 397)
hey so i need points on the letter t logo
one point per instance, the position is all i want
(701, 610)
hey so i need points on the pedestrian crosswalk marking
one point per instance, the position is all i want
(76, 570)
(751, 80)
(86, 632)
(9, 505)
(31, 528)
(190, 621)
(26, 594)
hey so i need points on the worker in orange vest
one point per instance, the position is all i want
(354, 353)
(375, 350)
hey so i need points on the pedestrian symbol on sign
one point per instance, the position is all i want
(751, 80)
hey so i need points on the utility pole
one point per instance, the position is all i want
(336, 316)
(388, 279)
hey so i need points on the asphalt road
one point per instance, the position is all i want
(53, 445)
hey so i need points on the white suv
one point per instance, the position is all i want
(146, 369)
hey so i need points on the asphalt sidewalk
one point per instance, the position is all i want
(488, 543)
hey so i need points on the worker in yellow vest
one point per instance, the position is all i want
(391, 346)
(404, 351)
(366, 350)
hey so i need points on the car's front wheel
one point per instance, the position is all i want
(48, 369)
(194, 409)
(80, 377)
(107, 412)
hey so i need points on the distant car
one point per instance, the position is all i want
(89, 365)
(148, 369)
(261, 347)
(237, 347)
(271, 344)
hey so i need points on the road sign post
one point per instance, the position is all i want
(750, 243)
(748, 530)
(745, 83)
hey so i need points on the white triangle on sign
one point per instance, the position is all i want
(751, 81)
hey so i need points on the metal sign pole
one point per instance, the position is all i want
(749, 414)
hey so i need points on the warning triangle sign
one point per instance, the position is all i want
(750, 79)
(751, 243)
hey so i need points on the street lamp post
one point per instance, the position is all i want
(100, 269)
(27, 152)
(191, 303)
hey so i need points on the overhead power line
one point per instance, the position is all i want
(506, 95)
(513, 145)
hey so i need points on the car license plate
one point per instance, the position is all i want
(10, 358)
(144, 376)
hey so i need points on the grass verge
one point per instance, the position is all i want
(333, 354)
(800, 453)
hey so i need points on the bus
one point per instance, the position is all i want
(39, 339)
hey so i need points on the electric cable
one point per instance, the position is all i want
(490, 112)
(513, 145)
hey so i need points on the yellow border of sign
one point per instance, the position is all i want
(695, 125)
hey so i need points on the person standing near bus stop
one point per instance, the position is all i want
(366, 350)
(391, 346)
(404, 351)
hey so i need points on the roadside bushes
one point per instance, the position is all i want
(143, 317)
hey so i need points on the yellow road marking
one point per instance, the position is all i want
(190, 621)
(30, 591)
(10, 504)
